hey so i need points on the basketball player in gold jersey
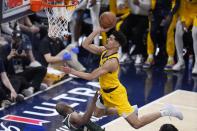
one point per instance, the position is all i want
(113, 96)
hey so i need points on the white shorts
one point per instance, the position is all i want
(99, 104)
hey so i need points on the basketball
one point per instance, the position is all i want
(107, 20)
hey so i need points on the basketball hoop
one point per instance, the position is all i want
(59, 13)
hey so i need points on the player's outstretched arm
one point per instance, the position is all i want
(87, 76)
(109, 66)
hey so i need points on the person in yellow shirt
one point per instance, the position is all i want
(163, 20)
(188, 17)
(113, 97)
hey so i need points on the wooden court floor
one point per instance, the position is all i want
(184, 100)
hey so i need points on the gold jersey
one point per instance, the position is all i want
(117, 97)
(109, 80)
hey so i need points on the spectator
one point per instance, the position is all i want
(7, 91)
(20, 61)
(76, 24)
(8, 28)
(135, 27)
(160, 18)
(182, 27)
(34, 32)
(53, 51)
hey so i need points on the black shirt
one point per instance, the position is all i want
(52, 46)
(2, 69)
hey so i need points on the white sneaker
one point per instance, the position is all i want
(5, 103)
(28, 92)
(138, 60)
(194, 70)
(170, 110)
(43, 86)
(179, 66)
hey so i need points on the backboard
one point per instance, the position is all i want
(13, 9)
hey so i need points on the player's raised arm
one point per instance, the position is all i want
(87, 44)
(86, 117)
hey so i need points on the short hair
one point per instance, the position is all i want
(120, 37)
(63, 108)
(168, 127)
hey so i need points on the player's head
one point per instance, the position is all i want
(168, 127)
(63, 109)
(116, 39)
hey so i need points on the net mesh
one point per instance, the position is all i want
(59, 17)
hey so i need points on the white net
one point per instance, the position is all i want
(58, 18)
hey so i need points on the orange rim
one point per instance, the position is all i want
(37, 5)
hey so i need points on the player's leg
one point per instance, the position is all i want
(150, 50)
(179, 47)
(138, 122)
(170, 44)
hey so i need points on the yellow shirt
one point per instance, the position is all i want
(118, 97)
(109, 80)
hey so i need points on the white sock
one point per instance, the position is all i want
(150, 56)
(164, 113)
(170, 58)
